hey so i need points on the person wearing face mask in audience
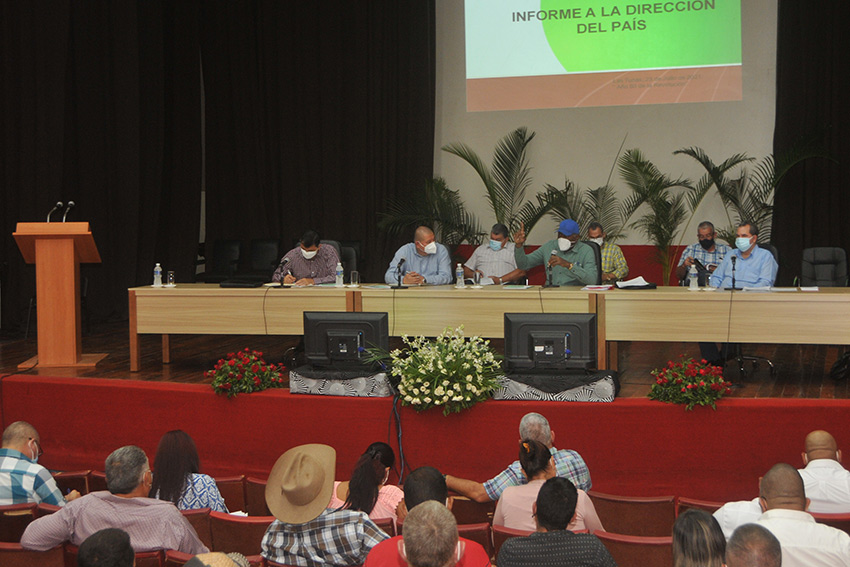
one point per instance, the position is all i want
(421, 262)
(571, 262)
(614, 266)
(494, 260)
(754, 266)
(308, 263)
(709, 253)
(22, 479)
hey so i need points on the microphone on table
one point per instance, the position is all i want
(280, 266)
(54, 209)
(734, 258)
(399, 274)
(549, 270)
(70, 206)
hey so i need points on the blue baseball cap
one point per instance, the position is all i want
(568, 227)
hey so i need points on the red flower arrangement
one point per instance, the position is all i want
(689, 382)
(245, 372)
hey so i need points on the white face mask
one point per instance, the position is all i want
(430, 248)
(564, 244)
(598, 241)
(308, 254)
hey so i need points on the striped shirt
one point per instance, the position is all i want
(568, 464)
(321, 268)
(22, 481)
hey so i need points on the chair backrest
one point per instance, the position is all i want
(335, 244)
(13, 555)
(143, 558)
(468, 511)
(637, 551)
(597, 253)
(226, 254)
(683, 504)
(387, 525)
(640, 516)
(772, 249)
(479, 533)
(14, 519)
(97, 481)
(73, 480)
(348, 257)
(501, 534)
(264, 255)
(232, 489)
(174, 558)
(242, 534)
(255, 497)
(837, 521)
(46, 509)
(200, 520)
(824, 267)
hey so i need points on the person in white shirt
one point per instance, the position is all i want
(494, 260)
(827, 482)
(753, 546)
(805, 543)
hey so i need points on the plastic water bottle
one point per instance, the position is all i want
(340, 274)
(692, 278)
(157, 275)
(459, 275)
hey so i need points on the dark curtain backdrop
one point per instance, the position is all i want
(316, 115)
(812, 206)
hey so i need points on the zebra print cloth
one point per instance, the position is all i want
(602, 390)
(373, 386)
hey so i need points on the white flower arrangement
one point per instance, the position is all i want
(453, 372)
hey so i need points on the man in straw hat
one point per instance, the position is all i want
(306, 533)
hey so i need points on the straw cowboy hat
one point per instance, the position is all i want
(301, 483)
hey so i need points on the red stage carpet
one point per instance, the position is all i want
(632, 446)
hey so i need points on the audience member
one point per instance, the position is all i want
(568, 464)
(178, 478)
(218, 559)
(430, 537)
(368, 491)
(152, 524)
(734, 514)
(425, 484)
(827, 482)
(552, 543)
(805, 543)
(697, 540)
(571, 261)
(311, 262)
(421, 262)
(305, 531)
(514, 509)
(614, 266)
(706, 250)
(110, 547)
(494, 261)
(22, 479)
(753, 546)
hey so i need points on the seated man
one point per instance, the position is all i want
(614, 266)
(552, 543)
(706, 250)
(430, 537)
(568, 464)
(311, 262)
(753, 546)
(827, 482)
(421, 262)
(306, 532)
(753, 266)
(571, 262)
(152, 524)
(110, 547)
(22, 479)
(495, 260)
(423, 485)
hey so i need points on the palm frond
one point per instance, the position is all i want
(511, 172)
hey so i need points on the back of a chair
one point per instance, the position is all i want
(225, 258)
(46, 509)
(175, 558)
(73, 480)
(348, 257)
(255, 497)
(636, 551)
(479, 533)
(200, 520)
(597, 253)
(772, 249)
(232, 489)
(683, 504)
(824, 267)
(335, 244)
(264, 255)
(639, 516)
(14, 519)
(13, 555)
(501, 534)
(238, 533)
(386, 525)
(837, 521)
(97, 481)
(468, 511)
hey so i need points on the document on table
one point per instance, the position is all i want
(597, 287)
(634, 282)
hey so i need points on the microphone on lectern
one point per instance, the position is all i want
(54, 209)
(70, 206)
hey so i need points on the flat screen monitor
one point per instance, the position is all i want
(550, 342)
(336, 339)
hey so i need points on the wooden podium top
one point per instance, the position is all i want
(27, 233)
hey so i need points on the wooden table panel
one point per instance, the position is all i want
(285, 307)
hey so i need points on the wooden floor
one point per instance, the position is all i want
(802, 371)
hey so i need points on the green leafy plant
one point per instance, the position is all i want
(689, 382)
(245, 372)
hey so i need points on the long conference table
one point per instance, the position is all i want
(666, 314)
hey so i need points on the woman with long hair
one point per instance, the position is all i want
(368, 491)
(698, 540)
(177, 476)
(514, 509)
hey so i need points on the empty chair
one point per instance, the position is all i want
(14, 519)
(263, 257)
(73, 480)
(683, 504)
(200, 520)
(13, 555)
(468, 511)
(501, 534)
(255, 497)
(637, 551)
(348, 257)
(224, 261)
(824, 267)
(232, 489)
(238, 533)
(837, 521)
(640, 516)
(479, 533)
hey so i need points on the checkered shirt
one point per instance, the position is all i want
(22, 481)
(613, 261)
(699, 253)
(336, 537)
(568, 464)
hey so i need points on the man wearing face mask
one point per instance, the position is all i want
(22, 480)
(572, 262)
(308, 263)
(614, 266)
(706, 250)
(421, 262)
(495, 260)
(754, 266)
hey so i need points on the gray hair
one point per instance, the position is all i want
(125, 469)
(535, 426)
(430, 535)
(753, 545)
(17, 433)
(706, 224)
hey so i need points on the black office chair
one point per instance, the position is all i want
(597, 253)
(225, 261)
(824, 267)
(348, 257)
(757, 360)
(263, 257)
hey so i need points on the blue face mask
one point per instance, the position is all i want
(495, 245)
(742, 243)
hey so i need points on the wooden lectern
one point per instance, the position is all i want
(57, 249)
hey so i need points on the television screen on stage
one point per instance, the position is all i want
(550, 341)
(339, 339)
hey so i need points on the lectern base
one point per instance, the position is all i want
(86, 361)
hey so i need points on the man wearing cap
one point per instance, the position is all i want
(571, 262)
(305, 532)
